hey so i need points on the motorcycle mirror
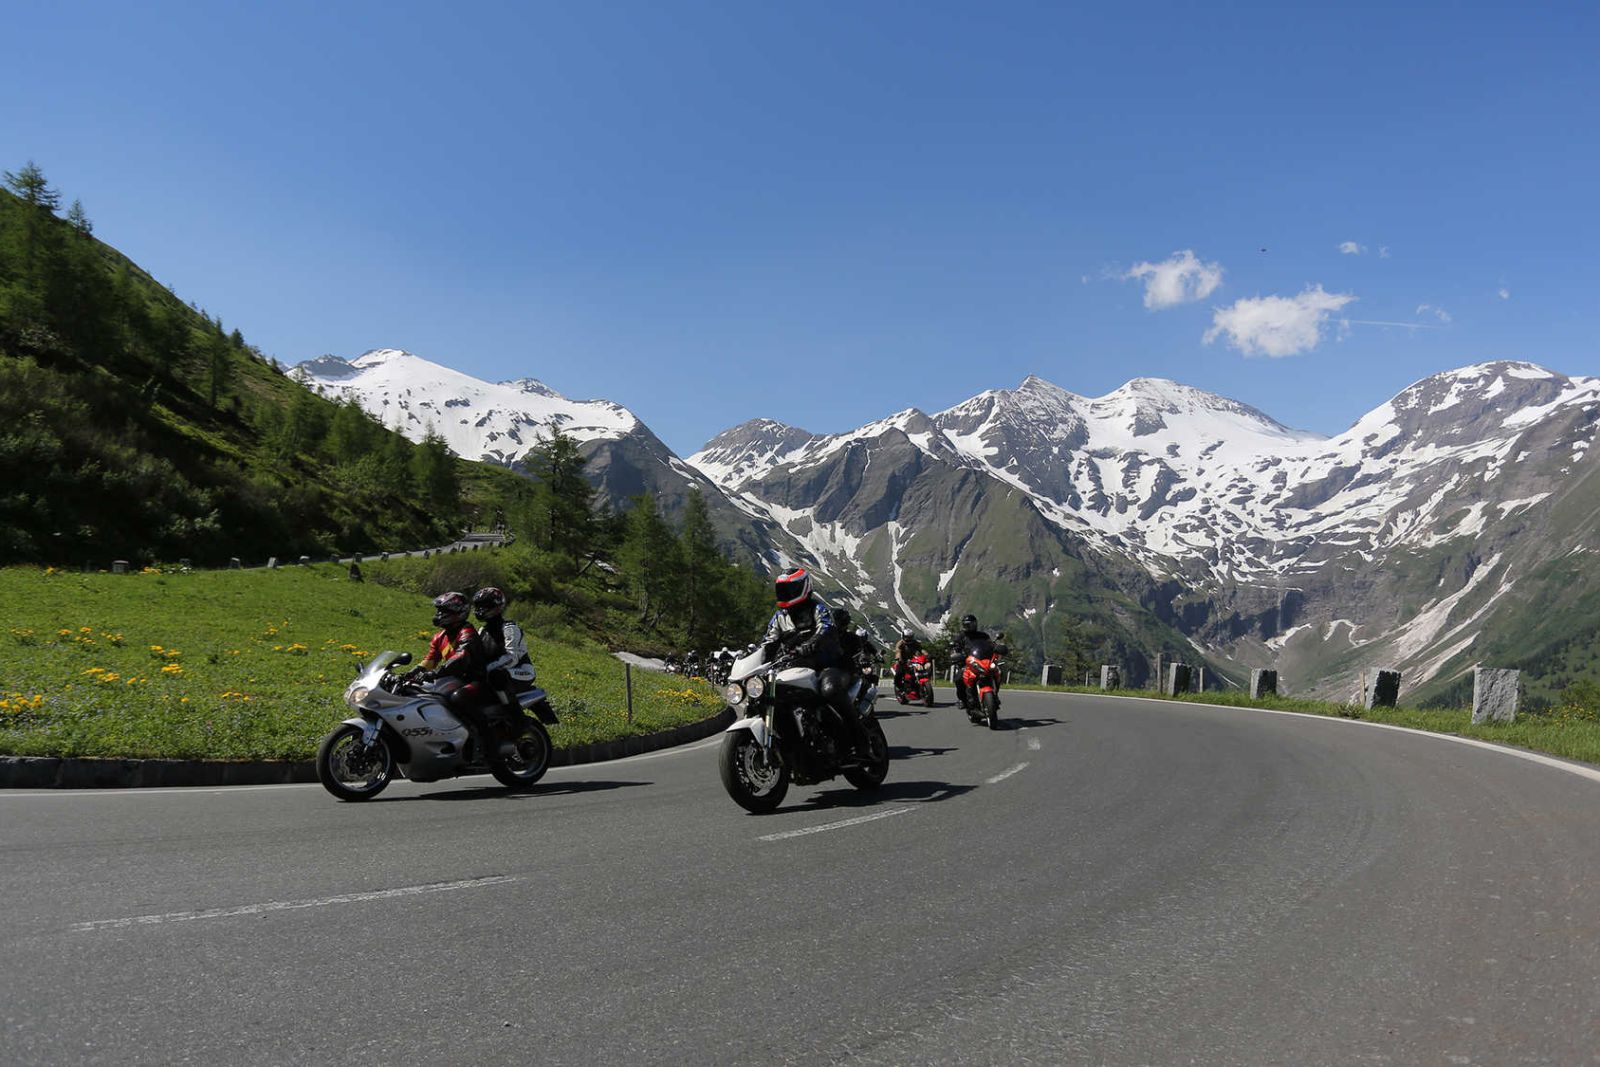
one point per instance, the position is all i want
(402, 659)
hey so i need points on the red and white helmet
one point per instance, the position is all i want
(793, 588)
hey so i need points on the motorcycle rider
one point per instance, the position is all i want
(970, 641)
(904, 649)
(450, 611)
(803, 630)
(496, 666)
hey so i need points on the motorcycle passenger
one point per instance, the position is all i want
(971, 641)
(856, 646)
(803, 629)
(904, 649)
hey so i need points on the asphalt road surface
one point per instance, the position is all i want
(1104, 881)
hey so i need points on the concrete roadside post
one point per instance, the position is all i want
(1110, 676)
(1051, 675)
(1384, 692)
(272, 563)
(1263, 683)
(1495, 694)
(1161, 676)
(1178, 678)
(119, 566)
(627, 679)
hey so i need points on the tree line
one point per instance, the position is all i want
(138, 426)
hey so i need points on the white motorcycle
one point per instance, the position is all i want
(402, 726)
(783, 734)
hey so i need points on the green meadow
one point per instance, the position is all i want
(242, 665)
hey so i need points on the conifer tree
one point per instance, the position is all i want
(80, 218)
(651, 560)
(563, 501)
(433, 468)
(29, 183)
(704, 572)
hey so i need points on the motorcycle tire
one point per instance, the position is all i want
(342, 753)
(753, 785)
(901, 697)
(991, 710)
(532, 759)
(870, 775)
(927, 696)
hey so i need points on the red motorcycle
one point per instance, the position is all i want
(916, 681)
(980, 680)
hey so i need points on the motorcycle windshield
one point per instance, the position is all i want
(982, 648)
(372, 673)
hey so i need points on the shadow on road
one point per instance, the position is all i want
(911, 751)
(890, 792)
(552, 789)
(1026, 724)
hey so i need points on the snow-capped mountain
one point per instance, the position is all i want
(497, 422)
(1257, 541)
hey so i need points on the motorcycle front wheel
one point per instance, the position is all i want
(532, 758)
(991, 709)
(756, 783)
(871, 774)
(351, 770)
(927, 695)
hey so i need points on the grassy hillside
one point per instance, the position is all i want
(247, 665)
(135, 426)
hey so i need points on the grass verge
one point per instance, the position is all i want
(1572, 732)
(239, 665)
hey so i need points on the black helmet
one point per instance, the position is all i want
(449, 609)
(841, 618)
(488, 602)
(969, 623)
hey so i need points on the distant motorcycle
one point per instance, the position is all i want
(784, 734)
(403, 727)
(917, 685)
(980, 680)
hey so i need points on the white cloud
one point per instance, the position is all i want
(1277, 325)
(1350, 248)
(1437, 312)
(1504, 293)
(1179, 279)
(1383, 251)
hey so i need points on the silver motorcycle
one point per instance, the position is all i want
(402, 726)
(783, 734)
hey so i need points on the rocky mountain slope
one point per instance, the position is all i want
(1395, 543)
(1451, 523)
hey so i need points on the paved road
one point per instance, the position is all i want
(1106, 881)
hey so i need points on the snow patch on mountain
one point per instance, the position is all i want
(498, 422)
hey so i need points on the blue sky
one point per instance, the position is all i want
(823, 213)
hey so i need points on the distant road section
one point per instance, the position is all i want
(1103, 881)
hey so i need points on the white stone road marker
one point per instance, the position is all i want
(288, 905)
(857, 821)
(1003, 775)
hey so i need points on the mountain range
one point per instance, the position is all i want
(1452, 523)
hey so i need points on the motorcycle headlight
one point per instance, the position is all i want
(355, 695)
(756, 687)
(733, 693)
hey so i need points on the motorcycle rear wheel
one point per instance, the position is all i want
(349, 769)
(871, 774)
(755, 785)
(524, 769)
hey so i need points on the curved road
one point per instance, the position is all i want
(1107, 881)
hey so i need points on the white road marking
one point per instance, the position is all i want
(1033, 744)
(1591, 773)
(1003, 775)
(857, 821)
(288, 905)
